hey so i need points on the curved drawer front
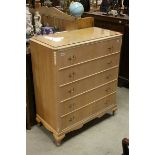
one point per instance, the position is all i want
(88, 97)
(88, 51)
(86, 69)
(87, 111)
(87, 83)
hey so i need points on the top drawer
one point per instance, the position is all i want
(88, 51)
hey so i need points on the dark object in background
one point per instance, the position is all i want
(30, 99)
(55, 2)
(86, 5)
(47, 30)
(125, 146)
(105, 6)
(120, 24)
(126, 5)
(114, 5)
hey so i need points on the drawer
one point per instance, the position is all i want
(87, 83)
(75, 117)
(87, 111)
(103, 103)
(86, 98)
(91, 67)
(88, 51)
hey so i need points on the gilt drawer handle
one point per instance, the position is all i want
(107, 102)
(109, 76)
(72, 58)
(72, 74)
(108, 89)
(71, 90)
(110, 62)
(110, 49)
(70, 106)
(71, 119)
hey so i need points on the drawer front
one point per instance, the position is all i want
(103, 103)
(83, 70)
(88, 51)
(76, 116)
(86, 98)
(87, 111)
(87, 83)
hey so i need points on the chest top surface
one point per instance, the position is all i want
(75, 37)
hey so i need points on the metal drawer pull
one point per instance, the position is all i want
(71, 90)
(71, 119)
(110, 49)
(71, 106)
(108, 89)
(72, 58)
(110, 62)
(107, 102)
(72, 74)
(108, 77)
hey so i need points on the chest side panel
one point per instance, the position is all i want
(43, 67)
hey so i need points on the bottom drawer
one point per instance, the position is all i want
(89, 110)
(103, 103)
(74, 117)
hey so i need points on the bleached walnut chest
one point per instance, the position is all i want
(75, 77)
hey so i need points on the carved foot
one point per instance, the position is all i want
(113, 112)
(58, 139)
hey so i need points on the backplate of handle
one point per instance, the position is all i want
(72, 74)
(108, 76)
(110, 62)
(71, 90)
(71, 119)
(71, 58)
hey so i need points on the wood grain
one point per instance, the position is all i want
(66, 101)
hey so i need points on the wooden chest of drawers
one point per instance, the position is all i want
(75, 77)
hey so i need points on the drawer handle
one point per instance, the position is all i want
(107, 102)
(110, 49)
(110, 62)
(72, 74)
(108, 77)
(71, 90)
(108, 89)
(71, 106)
(72, 58)
(71, 119)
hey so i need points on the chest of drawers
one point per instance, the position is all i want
(75, 77)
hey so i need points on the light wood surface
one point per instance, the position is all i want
(76, 37)
(44, 86)
(70, 93)
(80, 71)
(77, 55)
(87, 83)
(55, 18)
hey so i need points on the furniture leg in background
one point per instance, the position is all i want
(125, 146)
(30, 99)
